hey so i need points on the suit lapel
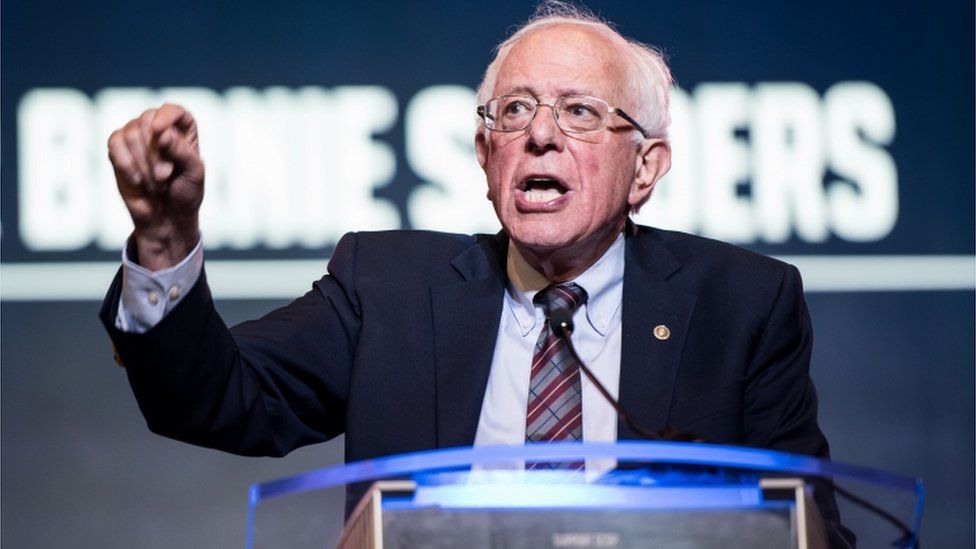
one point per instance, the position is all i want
(466, 316)
(649, 362)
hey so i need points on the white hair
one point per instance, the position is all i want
(649, 79)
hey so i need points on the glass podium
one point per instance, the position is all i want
(629, 494)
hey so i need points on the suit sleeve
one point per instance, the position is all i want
(780, 399)
(780, 407)
(264, 387)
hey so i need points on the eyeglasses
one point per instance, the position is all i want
(573, 113)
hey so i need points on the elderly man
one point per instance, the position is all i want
(418, 340)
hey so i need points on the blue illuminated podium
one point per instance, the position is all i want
(631, 494)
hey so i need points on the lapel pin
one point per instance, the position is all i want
(662, 332)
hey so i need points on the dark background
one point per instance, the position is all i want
(894, 369)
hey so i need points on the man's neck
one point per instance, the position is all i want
(529, 274)
(522, 275)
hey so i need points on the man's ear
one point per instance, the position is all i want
(653, 161)
(481, 147)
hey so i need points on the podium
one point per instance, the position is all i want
(630, 494)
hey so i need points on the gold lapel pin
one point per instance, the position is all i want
(662, 332)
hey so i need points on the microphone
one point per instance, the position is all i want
(561, 323)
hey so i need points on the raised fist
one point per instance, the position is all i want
(159, 173)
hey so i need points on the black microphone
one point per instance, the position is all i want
(561, 323)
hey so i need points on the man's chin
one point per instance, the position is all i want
(541, 243)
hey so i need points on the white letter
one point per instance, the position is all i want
(318, 177)
(363, 164)
(723, 109)
(788, 163)
(868, 210)
(259, 196)
(440, 130)
(55, 157)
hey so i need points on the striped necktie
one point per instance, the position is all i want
(555, 410)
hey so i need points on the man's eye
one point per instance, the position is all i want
(517, 108)
(581, 110)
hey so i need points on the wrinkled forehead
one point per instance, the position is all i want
(564, 59)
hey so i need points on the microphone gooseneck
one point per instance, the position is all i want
(561, 323)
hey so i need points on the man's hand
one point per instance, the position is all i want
(159, 173)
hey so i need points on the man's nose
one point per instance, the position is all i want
(543, 131)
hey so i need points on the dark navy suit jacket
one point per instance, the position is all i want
(393, 348)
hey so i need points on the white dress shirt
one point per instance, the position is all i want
(147, 296)
(596, 338)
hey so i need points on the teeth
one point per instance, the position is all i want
(541, 195)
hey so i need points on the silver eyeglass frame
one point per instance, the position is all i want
(482, 111)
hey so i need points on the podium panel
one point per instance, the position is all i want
(398, 515)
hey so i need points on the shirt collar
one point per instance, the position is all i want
(603, 283)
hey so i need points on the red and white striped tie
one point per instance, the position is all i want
(555, 410)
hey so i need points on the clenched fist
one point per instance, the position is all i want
(159, 173)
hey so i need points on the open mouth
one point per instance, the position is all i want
(542, 189)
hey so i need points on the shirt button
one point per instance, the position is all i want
(153, 298)
(174, 292)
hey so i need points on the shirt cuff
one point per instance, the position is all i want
(148, 296)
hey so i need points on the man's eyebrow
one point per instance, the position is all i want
(522, 90)
(575, 91)
(529, 90)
